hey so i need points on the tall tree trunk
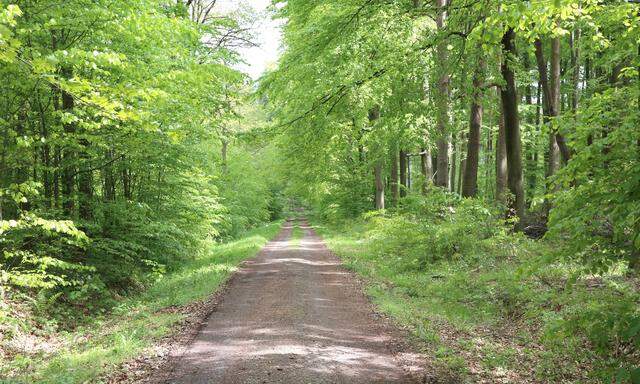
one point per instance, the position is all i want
(374, 115)
(575, 69)
(551, 93)
(56, 176)
(403, 173)
(379, 179)
(512, 126)
(409, 181)
(555, 96)
(68, 155)
(470, 181)
(488, 159)
(538, 105)
(85, 183)
(109, 189)
(501, 158)
(126, 180)
(442, 102)
(46, 155)
(4, 172)
(395, 189)
(550, 107)
(454, 162)
(22, 167)
(426, 168)
(463, 165)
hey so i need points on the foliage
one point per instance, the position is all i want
(599, 209)
(439, 227)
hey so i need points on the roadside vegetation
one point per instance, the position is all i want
(39, 349)
(487, 305)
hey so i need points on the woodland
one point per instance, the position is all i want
(476, 162)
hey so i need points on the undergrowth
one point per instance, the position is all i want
(488, 303)
(36, 349)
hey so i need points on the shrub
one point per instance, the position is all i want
(438, 227)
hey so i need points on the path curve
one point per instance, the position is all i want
(293, 315)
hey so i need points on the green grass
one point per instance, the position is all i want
(485, 310)
(87, 353)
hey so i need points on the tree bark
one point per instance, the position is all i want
(374, 115)
(403, 174)
(126, 180)
(470, 180)
(453, 150)
(501, 159)
(442, 102)
(85, 184)
(68, 156)
(395, 189)
(46, 155)
(512, 127)
(379, 179)
(555, 95)
(109, 182)
(551, 99)
(426, 168)
(575, 69)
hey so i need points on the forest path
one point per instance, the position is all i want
(293, 315)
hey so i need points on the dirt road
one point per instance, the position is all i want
(293, 315)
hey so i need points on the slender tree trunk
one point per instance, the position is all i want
(126, 180)
(85, 183)
(46, 155)
(109, 189)
(22, 167)
(56, 176)
(575, 69)
(488, 159)
(395, 189)
(501, 158)
(403, 173)
(470, 183)
(68, 156)
(454, 163)
(374, 115)
(426, 168)
(442, 102)
(409, 181)
(463, 165)
(379, 179)
(538, 105)
(548, 106)
(512, 126)
(551, 93)
(4, 172)
(555, 96)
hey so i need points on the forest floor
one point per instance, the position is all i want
(294, 315)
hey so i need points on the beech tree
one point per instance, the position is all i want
(434, 69)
